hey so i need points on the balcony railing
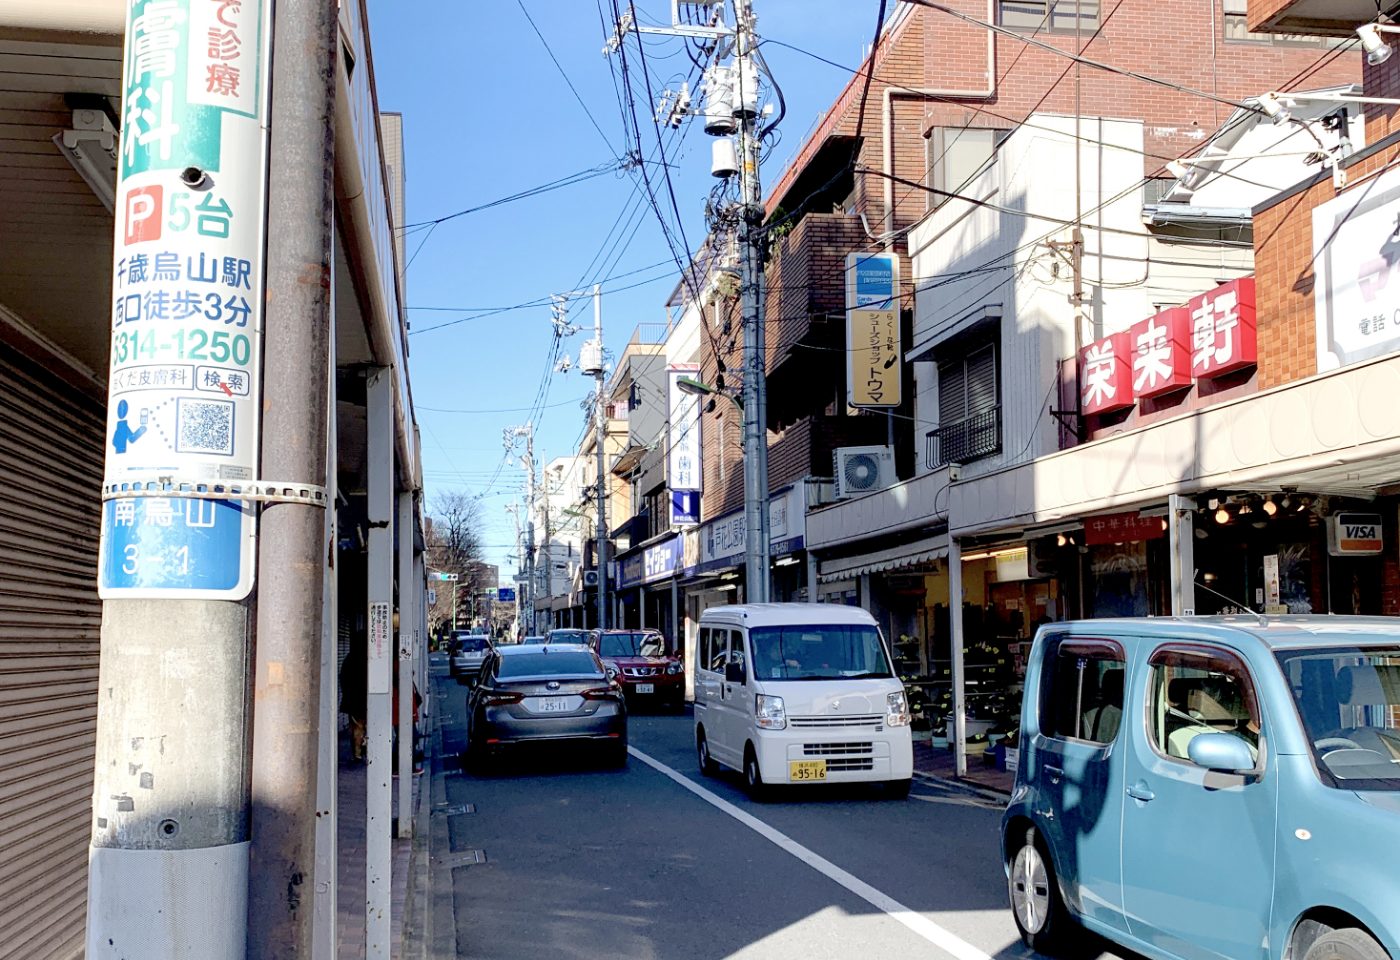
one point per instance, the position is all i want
(965, 440)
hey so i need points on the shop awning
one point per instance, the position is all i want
(894, 558)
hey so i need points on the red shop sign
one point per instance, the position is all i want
(1122, 527)
(1107, 380)
(1161, 352)
(1223, 337)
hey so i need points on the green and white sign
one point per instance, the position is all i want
(187, 295)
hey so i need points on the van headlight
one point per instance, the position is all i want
(770, 713)
(897, 710)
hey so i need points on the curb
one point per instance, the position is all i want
(962, 786)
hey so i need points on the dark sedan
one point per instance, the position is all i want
(533, 694)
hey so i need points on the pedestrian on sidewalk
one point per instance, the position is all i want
(354, 684)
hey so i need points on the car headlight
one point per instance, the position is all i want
(611, 671)
(897, 710)
(675, 667)
(770, 713)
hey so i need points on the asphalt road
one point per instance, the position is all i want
(656, 861)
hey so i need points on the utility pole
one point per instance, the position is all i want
(600, 428)
(732, 107)
(526, 597)
(287, 676)
(757, 567)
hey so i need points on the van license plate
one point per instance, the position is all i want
(554, 705)
(646, 688)
(805, 771)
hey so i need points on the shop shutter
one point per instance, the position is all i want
(981, 379)
(51, 447)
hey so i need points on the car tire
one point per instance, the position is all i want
(702, 754)
(617, 755)
(1036, 905)
(898, 789)
(1345, 944)
(753, 777)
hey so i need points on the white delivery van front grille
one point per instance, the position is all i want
(853, 720)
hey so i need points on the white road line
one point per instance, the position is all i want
(940, 937)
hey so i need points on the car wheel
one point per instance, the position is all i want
(617, 755)
(702, 752)
(1040, 913)
(753, 777)
(898, 789)
(1346, 944)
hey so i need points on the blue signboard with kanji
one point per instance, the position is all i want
(505, 594)
(162, 543)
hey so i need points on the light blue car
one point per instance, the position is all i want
(1211, 788)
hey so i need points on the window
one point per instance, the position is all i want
(631, 645)
(956, 155)
(819, 652)
(1349, 701)
(1082, 696)
(714, 648)
(736, 649)
(1192, 691)
(1052, 16)
(557, 664)
(969, 416)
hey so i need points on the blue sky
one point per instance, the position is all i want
(486, 115)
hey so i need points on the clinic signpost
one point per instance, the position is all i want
(187, 296)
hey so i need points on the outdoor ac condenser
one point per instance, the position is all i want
(861, 470)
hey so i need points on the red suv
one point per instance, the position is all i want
(639, 661)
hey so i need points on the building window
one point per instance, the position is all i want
(1050, 16)
(969, 413)
(956, 155)
(1236, 30)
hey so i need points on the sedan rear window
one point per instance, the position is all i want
(472, 643)
(570, 664)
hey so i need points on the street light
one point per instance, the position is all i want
(1377, 50)
(697, 389)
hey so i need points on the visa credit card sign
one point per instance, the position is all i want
(1354, 535)
(184, 387)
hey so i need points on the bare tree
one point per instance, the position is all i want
(454, 546)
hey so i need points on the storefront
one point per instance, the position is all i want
(647, 587)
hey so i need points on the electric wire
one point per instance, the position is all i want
(563, 73)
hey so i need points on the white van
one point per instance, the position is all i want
(800, 693)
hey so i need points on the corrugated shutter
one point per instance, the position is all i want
(981, 379)
(51, 447)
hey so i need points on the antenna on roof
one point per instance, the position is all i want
(1244, 607)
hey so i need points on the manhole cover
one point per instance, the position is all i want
(463, 858)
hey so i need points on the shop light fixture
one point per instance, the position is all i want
(1222, 515)
(1377, 50)
(1269, 506)
(785, 562)
(990, 554)
(91, 147)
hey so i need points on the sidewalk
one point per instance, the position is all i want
(939, 763)
(350, 900)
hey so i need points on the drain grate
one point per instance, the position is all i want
(454, 809)
(463, 858)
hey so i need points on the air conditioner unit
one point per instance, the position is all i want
(863, 470)
(590, 578)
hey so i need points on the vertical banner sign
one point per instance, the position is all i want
(380, 631)
(874, 351)
(683, 461)
(187, 295)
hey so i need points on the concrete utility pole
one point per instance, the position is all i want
(287, 678)
(527, 589)
(757, 567)
(600, 427)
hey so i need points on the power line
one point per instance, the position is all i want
(563, 73)
(568, 181)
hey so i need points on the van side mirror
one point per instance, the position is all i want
(1223, 752)
(733, 672)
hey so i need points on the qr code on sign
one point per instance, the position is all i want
(204, 426)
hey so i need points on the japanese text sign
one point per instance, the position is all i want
(187, 295)
(1356, 249)
(1106, 381)
(874, 347)
(1223, 329)
(1161, 353)
(1122, 528)
(684, 460)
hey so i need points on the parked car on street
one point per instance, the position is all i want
(638, 660)
(799, 693)
(534, 694)
(568, 635)
(1212, 787)
(469, 651)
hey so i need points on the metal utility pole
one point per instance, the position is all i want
(526, 596)
(287, 677)
(600, 427)
(757, 566)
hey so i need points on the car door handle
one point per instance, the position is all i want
(1054, 773)
(1139, 791)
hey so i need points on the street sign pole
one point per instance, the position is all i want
(176, 559)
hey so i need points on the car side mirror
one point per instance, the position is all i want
(733, 673)
(1223, 752)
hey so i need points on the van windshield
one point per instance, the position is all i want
(1349, 700)
(818, 652)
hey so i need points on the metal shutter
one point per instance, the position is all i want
(51, 447)
(981, 379)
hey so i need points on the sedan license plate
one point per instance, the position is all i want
(554, 704)
(646, 688)
(805, 771)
